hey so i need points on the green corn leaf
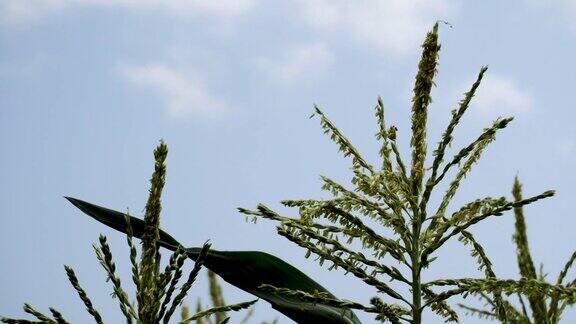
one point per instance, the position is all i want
(247, 270)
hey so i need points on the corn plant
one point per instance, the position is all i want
(247, 270)
(156, 291)
(543, 309)
(250, 271)
(396, 197)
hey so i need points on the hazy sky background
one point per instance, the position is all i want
(89, 87)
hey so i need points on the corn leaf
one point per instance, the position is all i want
(247, 270)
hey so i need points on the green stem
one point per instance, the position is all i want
(415, 256)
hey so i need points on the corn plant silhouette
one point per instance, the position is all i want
(154, 289)
(247, 270)
(544, 309)
(396, 197)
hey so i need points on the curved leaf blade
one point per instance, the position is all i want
(246, 270)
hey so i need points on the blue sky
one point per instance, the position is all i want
(89, 87)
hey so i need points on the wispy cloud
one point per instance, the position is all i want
(183, 93)
(499, 95)
(304, 61)
(394, 26)
(25, 11)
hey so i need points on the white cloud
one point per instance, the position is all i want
(395, 26)
(23, 11)
(499, 95)
(184, 93)
(303, 61)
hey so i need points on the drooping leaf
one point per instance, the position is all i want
(247, 270)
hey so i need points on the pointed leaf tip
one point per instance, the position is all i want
(238, 268)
